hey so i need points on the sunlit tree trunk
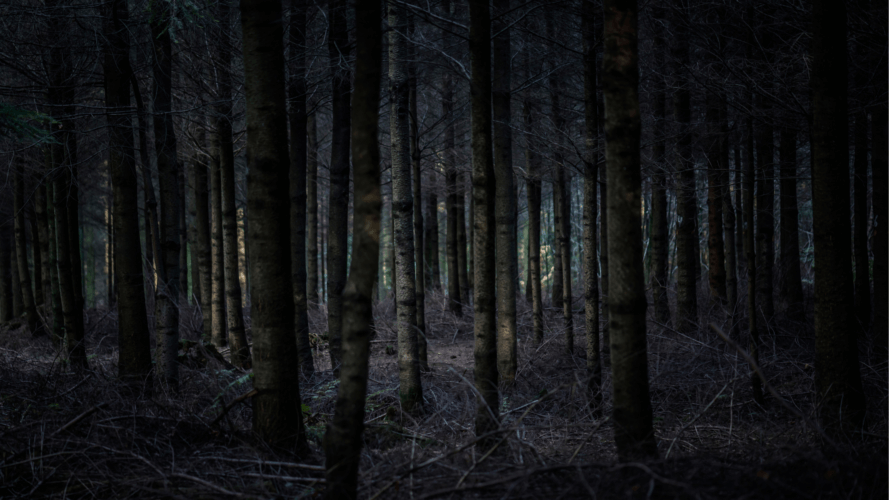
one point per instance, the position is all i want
(277, 408)
(633, 432)
(342, 443)
(837, 377)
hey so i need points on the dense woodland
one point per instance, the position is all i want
(443, 249)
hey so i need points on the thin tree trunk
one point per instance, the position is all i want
(183, 239)
(433, 281)
(202, 229)
(193, 244)
(277, 408)
(338, 200)
(765, 207)
(558, 279)
(590, 212)
(410, 390)
(21, 249)
(750, 248)
(167, 292)
(234, 315)
(633, 432)
(455, 298)
(739, 209)
(715, 167)
(342, 443)
(603, 250)
(312, 210)
(686, 204)
(73, 317)
(217, 247)
(791, 283)
(18, 307)
(464, 258)
(840, 396)
(880, 168)
(298, 166)
(36, 246)
(483, 195)
(416, 179)
(505, 203)
(659, 276)
(860, 213)
(728, 212)
(58, 334)
(6, 264)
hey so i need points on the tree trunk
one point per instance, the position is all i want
(58, 334)
(505, 203)
(603, 250)
(464, 264)
(183, 238)
(686, 203)
(37, 244)
(433, 268)
(6, 264)
(739, 209)
(167, 292)
(193, 239)
(765, 221)
(880, 168)
(659, 276)
(342, 442)
(312, 209)
(558, 280)
(416, 178)
(338, 200)
(455, 300)
(217, 247)
(73, 317)
(728, 213)
(18, 307)
(21, 249)
(590, 210)
(483, 195)
(750, 248)
(634, 435)
(410, 390)
(791, 283)
(532, 162)
(837, 378)
(202, 229)
(298, 192)
(277, 408)
(715, 244)
(860, 213)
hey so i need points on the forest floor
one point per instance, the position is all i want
(67, 434)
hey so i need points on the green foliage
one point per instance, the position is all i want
(20, 123)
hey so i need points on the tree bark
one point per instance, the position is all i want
(217, 248)
(859, 214)
(277, 408)
(750, 248)
(37, 244)
(21, 248)
(590, 210)
(765, 221)
(433, 281)
(298, 192)
(728, 213)
(715, 167)
(410, 389)
(193, 243)
(167, 292)
(312, 209)
(532, 162)
(455, 300)
(6, 290)
(338, 201)
(202, 230)
(880, 168)
(659, 276)
(634, 435)
(342, 442)
(483, 195)
(57, 327)
(505, 203)
(837, 377)
(464, 258)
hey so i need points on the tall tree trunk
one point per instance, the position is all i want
(73, 201)
(505, 203)
(217, 246)
(483, 195)
(152, 234)
(193, 249)
(715, 167)
(234, 316)
(167, 293)
(298, 164)
(410, 390)
(21, 249)
(750, 248)
(73, 317)
(202, 229)
(633, 434)
(558, 294)
(455, 299)
(57, 327)
(739, 209)
(433, 281)
(765, 221)
(603, 248)
(728, 213)
(277, 408)
(18, 307)
(686, 203)
(860, 213)
(338, 201)
(421, 265)
(464, 258)
(590, 209)
(311, 209)
(659, 275)
(36, 247)
(183, 238)
(880, 168)
(342, 443)
(791, 282)
(837, 377)
(532, 161)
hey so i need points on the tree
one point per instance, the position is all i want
(750, 248)
(791, 280)
(298, 188)
(21, 249)
(715, 167)
(416, 191)
(167, 292)
(532, 164)
(659, 237)
(633, 432)
(455, 278)
(342, 442)
(311, 208)
(483, 195)
(590, 212)
(234, 316)
(277, 407)
(505, 198)
(338, 200)
(837, 377)
(410, 389)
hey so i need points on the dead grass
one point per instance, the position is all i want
(65, 434)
